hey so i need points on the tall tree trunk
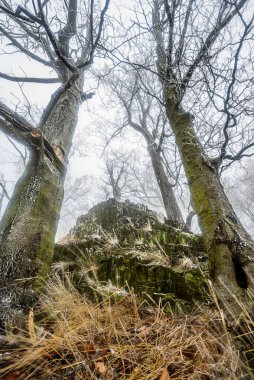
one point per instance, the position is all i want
(230, 248)
(172, 209)
(28, 227)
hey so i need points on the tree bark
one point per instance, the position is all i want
(229, 246)
(28, 227)
(172, 209)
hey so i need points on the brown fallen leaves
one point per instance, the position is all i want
(100, 368)
(121, 339)
(164, 375)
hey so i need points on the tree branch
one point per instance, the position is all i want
(4, 191)
(29, 79)
(183, 34)
(16, 14)
(229, 115)
(210, 40)
(170, 16)
(43, 22)
(87, 95)
(240, 154)
(69, 30)
(97, 39)
(21, 130)
(13, 118)
(23, 156)
(21, 48)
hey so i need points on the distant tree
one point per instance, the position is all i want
(64, 42)
(115, 179)
(241, 194)
(141, 111)
(144, 186)
(3, 191)
(76, 201)
(134, 176)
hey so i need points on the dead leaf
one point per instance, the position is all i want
(87, 348)
(143, 331)
(100, 367)
(104, 352)
(164, 375)
(204, 367)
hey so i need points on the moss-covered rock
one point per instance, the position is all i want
(132, 246)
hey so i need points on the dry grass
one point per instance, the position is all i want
(120, 339)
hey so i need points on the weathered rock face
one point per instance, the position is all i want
(129, 244)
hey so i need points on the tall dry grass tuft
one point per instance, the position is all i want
(119, 339)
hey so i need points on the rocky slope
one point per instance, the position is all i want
(121, 244)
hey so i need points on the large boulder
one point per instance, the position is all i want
(125, 244)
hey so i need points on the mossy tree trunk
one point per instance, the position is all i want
(29, 224)
(230, 248)
(30, 221)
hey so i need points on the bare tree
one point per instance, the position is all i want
(116, 176)
(144, 187)
(76, 201)
(201, 53)
(66, 43)
(4, 192)
(133, 174)
(142, 112)
(241, 194)
(185, 44)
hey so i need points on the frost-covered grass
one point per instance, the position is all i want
(119, 338)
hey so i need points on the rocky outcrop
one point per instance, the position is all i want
(125, 244)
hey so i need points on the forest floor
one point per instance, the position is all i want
(118, 336)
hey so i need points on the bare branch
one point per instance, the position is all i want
(23, 156)
(87, 95)
(21, 48)
(70, 28)
(16, 14)
(15, 78)
(43, 22)
(171, 19)
(240, 154)
(20, 122)
(212, 36)
(4, 191)
(230, 118)
(97, 39)
(179, 50)
(21, 130)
